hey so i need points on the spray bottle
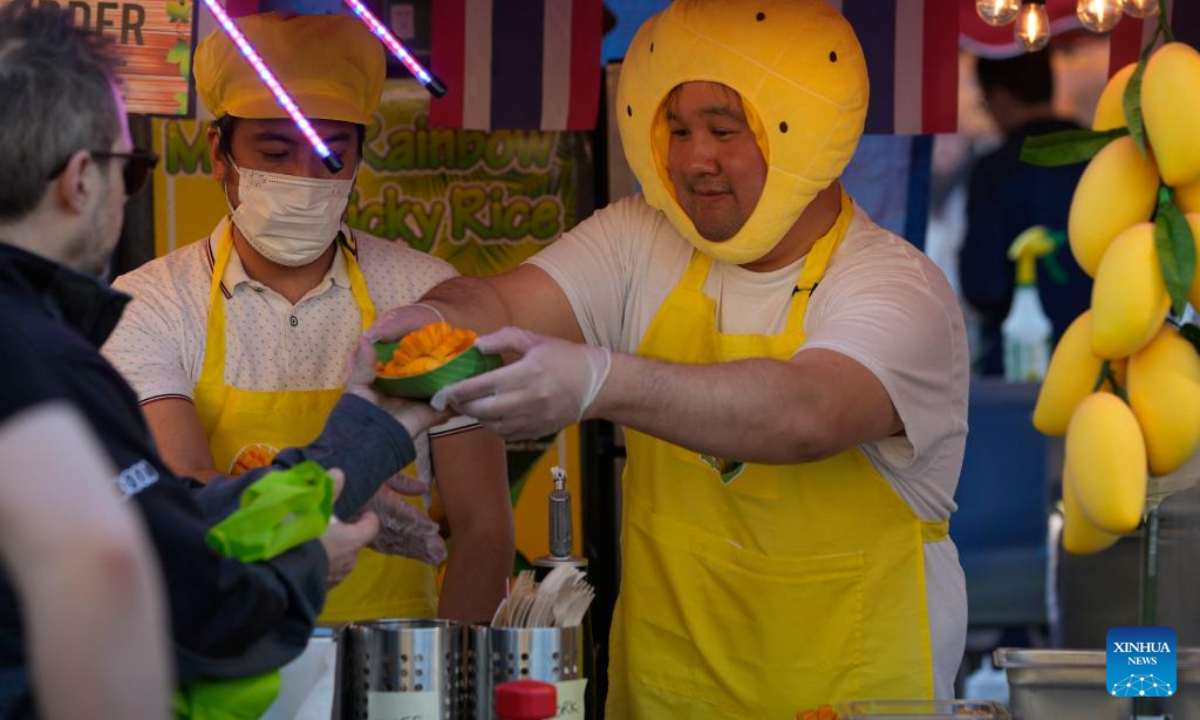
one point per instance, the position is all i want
(1026, 331)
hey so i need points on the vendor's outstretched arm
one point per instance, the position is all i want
(769, 411)
(814, 406)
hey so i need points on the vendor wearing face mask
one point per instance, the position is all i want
(237, 345)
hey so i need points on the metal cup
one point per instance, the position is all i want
(553, 655)
(396, 667)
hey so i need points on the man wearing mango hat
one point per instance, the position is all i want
(236, 344)
(792, 380)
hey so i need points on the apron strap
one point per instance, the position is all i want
(697, 272)
(358, 282)
(816, 263)
(934, 531)
(213, 369)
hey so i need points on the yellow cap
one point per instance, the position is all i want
(802, 77)
(331, 65)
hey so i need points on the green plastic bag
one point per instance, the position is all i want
(236, 699)
(281, 510)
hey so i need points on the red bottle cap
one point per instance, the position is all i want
(526, 700)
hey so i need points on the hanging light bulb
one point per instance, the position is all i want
(1099, 15)
(1033, 25)
(1141, 8)
(997, 12)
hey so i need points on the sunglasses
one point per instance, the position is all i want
(138, 164)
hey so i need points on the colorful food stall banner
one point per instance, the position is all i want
(153, 40)
(912, 60)
(517, 64)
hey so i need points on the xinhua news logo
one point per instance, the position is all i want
(1141, 662)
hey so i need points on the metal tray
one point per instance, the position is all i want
(1059, 685)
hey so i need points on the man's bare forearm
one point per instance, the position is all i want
(759, 410)
(479, 563)
(471, 303)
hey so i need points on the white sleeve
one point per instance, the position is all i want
(592, 263)
(896, 315)
(146, 346)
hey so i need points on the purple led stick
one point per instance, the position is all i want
(328, 157)
(431, 83)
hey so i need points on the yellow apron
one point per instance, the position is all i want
(236, 419)
(761, 593)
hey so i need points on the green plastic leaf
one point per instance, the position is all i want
(1133, 105)
(1068, 147)
(1176, 253)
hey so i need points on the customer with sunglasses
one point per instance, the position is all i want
(68, 167)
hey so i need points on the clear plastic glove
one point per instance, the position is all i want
(404, 529)
(398, 322)
(416, 417)
(548, 388)
(342, 541)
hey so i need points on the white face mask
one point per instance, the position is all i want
(290, 220)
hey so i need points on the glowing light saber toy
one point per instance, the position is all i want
(431, 83)
(328, 157)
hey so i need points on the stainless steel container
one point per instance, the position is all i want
(400, 668)
(553, 655)
(1185, 703)
(1059, 685)
(921, 710)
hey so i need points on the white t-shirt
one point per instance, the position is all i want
(882, 303)
(270, 344)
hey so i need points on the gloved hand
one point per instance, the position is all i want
(548, 388)
(416, 417)
(342, 541)
(403, 529)
(398, 322)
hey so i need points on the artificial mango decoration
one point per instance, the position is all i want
(426, 349)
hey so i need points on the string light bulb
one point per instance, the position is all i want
(1141, 8)
(1099, 16)
(1033, 25)
(997, 12)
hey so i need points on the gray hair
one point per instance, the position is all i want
(56, 98)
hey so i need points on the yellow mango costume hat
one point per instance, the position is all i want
(802, 77)
(332, 66)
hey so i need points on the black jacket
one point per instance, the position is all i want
(228, 619)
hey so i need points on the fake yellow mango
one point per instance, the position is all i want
(1080, 536)
(1187, 197)
(1129, 298)
(1118, 189)
(1171, 111)
(1164, 392)
(1110, 111)
(1106, 460)
(1070, 377)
